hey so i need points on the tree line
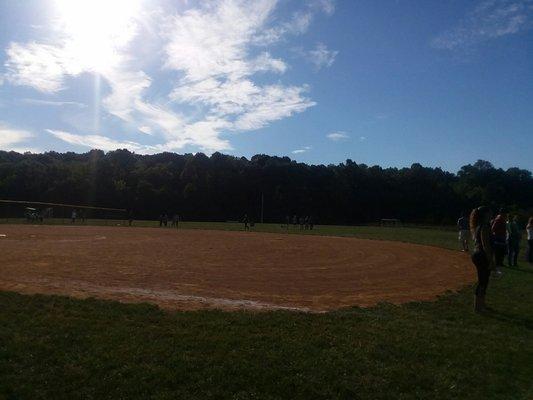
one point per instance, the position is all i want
(222, 187)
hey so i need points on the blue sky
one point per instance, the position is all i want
(442, 83)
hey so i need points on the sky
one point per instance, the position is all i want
(389, 82)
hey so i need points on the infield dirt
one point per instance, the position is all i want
(196, 269)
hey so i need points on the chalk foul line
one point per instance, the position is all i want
(162, 295)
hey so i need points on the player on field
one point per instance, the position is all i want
(175, 221)
(245, 220)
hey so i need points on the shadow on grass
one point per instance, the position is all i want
(510, 318)
(519, 269)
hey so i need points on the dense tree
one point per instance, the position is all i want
(222, 187)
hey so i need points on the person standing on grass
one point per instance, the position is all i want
(174, 221)
(483, 256)
(245, 221)
(513, 241)
(462, 225)
(499, 237)
(529, 230)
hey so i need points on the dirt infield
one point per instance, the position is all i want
(194, 269)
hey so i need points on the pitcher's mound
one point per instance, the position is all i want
(192, 269)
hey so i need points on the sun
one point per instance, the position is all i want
(95, 30)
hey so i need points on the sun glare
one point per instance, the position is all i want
(96, 29)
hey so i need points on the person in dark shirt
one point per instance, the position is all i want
(514, 236)
(483, 256)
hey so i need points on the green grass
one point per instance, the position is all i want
(55, 347)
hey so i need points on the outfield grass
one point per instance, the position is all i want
(54, 347)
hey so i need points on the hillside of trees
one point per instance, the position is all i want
(222, 187)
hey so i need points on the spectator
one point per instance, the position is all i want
(483, 254)
(499, 238)
(462, 225)
(529, 230)
(513, 241)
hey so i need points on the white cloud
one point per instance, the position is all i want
(12, 139)
(213, 49)
(41, 66)
(213, 40)
(490, 19)
(321, 57)
(337, 136)
(99, 142)
(302, 150)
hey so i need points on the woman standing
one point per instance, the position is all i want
(483, 256)
(529, 230)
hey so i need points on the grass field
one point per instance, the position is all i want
(59, 348)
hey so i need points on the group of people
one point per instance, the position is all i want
(248, 223)
(492, 239)
(164, 219)
(306, 222)
(75, 215)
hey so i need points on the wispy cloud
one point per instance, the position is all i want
(490, 19)
(337, 136)
(298, 23)
(214, 50)
(321, 57)
(99, 142)
(12, 139)
(302, 150)
(52, 103)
